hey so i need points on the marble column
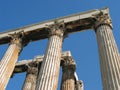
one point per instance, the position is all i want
(49, 72)
(31, 76)
(68, 70)
(79, 85)
(9, 59)
(108, 53)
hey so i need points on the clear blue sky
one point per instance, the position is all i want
(83, 45)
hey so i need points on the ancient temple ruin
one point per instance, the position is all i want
(43, 71)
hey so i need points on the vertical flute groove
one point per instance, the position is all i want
(49, 73)
(68, 78)
(31, 76)
(109, 58)
(9, 59)
(6, 68)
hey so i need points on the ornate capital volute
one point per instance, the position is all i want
(58, 28)
(17, 38)
(102, 19)
(80, 84)
(68, 64)
(32, 68)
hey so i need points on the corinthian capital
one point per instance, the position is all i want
(32, 68)
(68, 63)
(17, 38)
(57, 28)
(102, 19)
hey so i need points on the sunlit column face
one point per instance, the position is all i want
(49, 72)
(108, 53)
(9, 59)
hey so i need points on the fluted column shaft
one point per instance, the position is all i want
(49, 72)
(68, 78)
(108, 52)
(9, 59)
(31, 77)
